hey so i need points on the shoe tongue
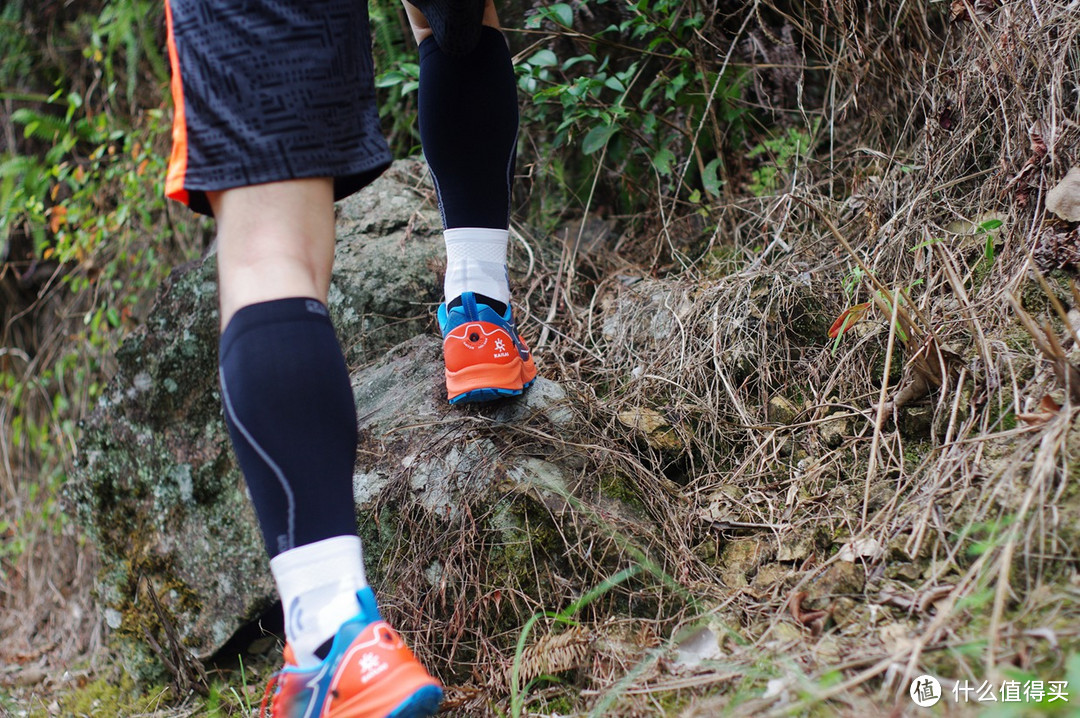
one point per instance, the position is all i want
(470, 306)
(324, 650)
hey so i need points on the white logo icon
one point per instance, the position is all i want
(925, 691)
(500, 345)
(370, 666)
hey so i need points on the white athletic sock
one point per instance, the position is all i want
(317, 583)
(476, 262)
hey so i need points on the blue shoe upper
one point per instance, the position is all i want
(471, 310)
(318, 677)
(316, 680)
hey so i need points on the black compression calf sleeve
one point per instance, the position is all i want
(289, 408)
(468, 128)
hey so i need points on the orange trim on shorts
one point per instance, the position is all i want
(174, 180)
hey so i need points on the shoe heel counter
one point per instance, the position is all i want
(478, 343)
(369, 608)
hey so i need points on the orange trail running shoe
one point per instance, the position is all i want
(369, 673)
(485, 356)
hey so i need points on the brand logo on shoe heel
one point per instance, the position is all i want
(370, 666)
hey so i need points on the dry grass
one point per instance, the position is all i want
(968, 514)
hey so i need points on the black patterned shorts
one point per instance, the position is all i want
(271, 90)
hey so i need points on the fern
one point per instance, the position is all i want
(40, 126)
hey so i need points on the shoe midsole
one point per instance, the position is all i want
(485, 376)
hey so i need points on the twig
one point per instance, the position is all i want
(871, 469)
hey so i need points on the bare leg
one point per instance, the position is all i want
(274, 241)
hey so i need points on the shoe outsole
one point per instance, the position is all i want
(480, 396)
(421, 704)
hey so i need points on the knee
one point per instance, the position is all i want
(274, 242)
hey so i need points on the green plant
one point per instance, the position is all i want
(635, 96)
(518, 692)
(396, 61)
(85, 227)
(225, 699)
(987, 228)
(783, 153)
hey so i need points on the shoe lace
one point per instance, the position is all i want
(268, 694)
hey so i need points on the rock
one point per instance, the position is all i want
(771, 574)
(1064, 199)
(156, 484)
(781, 410)
(828, 651)
(833, 431)
(783, 634)
(845, 611)
(840, 578)
(441, 492)
(916, 421)
(388, 263)
(740, 558)
(653, 427)
(796, 546)
(904, 571)
(678, 327)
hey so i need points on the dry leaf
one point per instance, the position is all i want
(958, 11)
(1048, 343)
(57, 218)
(847, 319)
(703, 645)
(1048, 409)
(1064, 199)
(928, 369)
(1057, 247)
(868, 548)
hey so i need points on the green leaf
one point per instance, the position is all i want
(926, 243)
(597, 138)
(575, 60)
(616, 84)
(543, 58)
(562, 13)
(389, 79)
(709, 178)
(990, 224)
(662, 160)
